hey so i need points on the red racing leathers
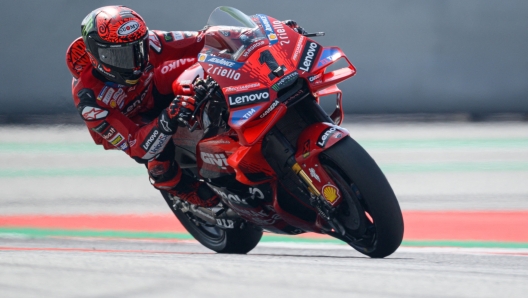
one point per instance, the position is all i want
(124, 117)
(129, 119)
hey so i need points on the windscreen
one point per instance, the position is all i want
(229, 16)
(232, 33)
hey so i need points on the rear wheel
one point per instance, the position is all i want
(369, 210)
(234, 241)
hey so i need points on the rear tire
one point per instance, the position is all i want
(366, 193)
(230, 241)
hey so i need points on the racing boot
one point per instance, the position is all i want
(195, 192)
(167, 175)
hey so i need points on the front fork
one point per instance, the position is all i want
(304, 164)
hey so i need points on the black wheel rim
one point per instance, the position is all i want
(358, 222)
(212, 233)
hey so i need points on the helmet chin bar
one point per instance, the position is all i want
(132, 82)
(115, 76)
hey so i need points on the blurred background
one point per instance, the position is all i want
(431, 75)
(440, 101)
(466, 58)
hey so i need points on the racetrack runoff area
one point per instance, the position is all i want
(462, 188)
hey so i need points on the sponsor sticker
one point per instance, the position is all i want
(149, 78)
(325, 136)
(154, 42)
(231, 197)
(106, 72)
(165, 124)
(109, 134)
(109, 93)
(330, 192)
(118, 93)
(239, 117)
(240, 88)
(327, 56)
(241, 99)
(223, 72)
(178, 35)
(119, 97)
(222, 62)
(149, 140)
(281, 32)
(269, 109)
(218, 159)
(159, 144)
(298, 48)
(93, 113)
(121, 101)
(174, 65)
(101, 127)
(315, 78)
(168, 37)
(286, 81)
(270, 32)
(131, 106)
(117, 139)
(306, 149)
(254, 46)
(124, 146)
(102, 93)
(294, 98)
(131, 140)
(311, 49)
(314, 175)
(128, 28)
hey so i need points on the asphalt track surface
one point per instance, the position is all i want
(433, 167)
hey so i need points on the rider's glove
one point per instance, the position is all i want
(179, 113)
(293, 24)
(204, 87)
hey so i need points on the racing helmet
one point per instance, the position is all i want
(116, 39)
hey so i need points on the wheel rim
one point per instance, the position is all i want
(212, 233)
(353, 213)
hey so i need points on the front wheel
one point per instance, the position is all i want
(369, 211)
(231, 241)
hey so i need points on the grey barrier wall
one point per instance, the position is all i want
(411, 55)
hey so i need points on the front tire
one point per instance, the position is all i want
(230, 241)
(369, 211)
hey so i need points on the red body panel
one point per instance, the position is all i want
(315, 139)
(251, 91)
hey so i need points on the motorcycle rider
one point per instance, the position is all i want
(122, 88)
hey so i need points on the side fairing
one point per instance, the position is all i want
(252, 76)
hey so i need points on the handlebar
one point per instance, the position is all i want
(210, 92)
(198, 106)
(315, 34)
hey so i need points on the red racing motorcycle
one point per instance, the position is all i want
(279, 162)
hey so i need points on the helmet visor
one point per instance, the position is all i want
(128, 56)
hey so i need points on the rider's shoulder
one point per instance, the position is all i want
(77, 59)
(159, 40)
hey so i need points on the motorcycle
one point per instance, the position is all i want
(278, 161)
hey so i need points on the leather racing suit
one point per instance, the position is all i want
(128, 118)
